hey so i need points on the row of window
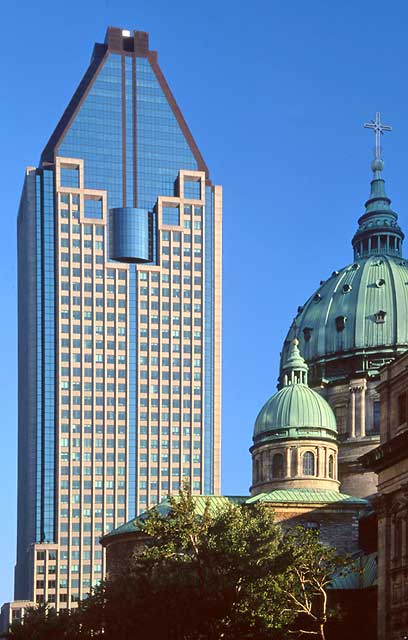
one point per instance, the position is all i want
(278, 466)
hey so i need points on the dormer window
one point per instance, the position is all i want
(379, 317)
(307, 333)
(317, 297)
(340, 323)
(347, 288)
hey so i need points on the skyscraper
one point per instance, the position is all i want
(119, 261)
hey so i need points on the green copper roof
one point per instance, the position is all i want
(314, 496)
(296, 411)
(215, 503)
(378, 230)
(362, 574)
(362, 308)
(306, 496)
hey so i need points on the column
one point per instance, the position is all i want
(363, 409)
(288, 461)
(353, 413)
(298, 470)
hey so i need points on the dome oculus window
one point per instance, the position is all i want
(307, 333)
(317, 297)
(379, 317)
(340, 323)
(347, 288)
(380, 282)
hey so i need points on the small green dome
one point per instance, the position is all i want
(296, 411)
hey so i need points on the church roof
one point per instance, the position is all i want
(306, 496)
(215, 503)
(295, 411)
(361, 575)
(361, 310)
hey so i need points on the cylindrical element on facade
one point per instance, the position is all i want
(129, 234)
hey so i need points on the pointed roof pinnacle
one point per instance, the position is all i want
(294, 369)
(378, 232)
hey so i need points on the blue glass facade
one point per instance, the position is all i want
(95, 134)
(45, 312)
(162, 148)
(129, 234)
(46, 508)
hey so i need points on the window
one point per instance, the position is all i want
(308, 464)
(402, 408)
(307, 333)
(376, 416)
(257, 471)
(340, 323)
(379, 317)
(170, 215)
(277, 466)
(331, 467)
(340, 412)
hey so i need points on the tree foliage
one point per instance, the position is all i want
(227, 573)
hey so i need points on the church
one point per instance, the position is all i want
(310, 435)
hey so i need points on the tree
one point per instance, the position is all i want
(204, 570)
(307, 580)
(204, 575)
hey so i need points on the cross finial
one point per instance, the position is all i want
(379, 129)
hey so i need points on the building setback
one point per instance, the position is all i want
(119, 279)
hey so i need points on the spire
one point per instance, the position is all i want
(378, 232)
(294, 369)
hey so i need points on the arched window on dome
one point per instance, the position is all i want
(331, 467)
(308, 464)
(277, 466)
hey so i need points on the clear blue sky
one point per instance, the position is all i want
(275, 93)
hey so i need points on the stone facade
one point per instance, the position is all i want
(282, 464)
(390, 461)
(355, 403)
(337, 523)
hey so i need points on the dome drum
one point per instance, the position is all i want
(294, 465)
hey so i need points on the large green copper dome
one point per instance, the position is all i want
(296, 411)
(357, 319)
